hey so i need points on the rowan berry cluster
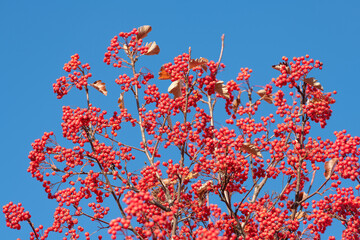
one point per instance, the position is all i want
(14, 214)
(179, 68)
(132, 43)
(344, 206)
(318, 106)
(252, 177)
(38, 155)
(78, 76)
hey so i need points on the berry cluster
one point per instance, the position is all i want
(179, 69)
(14, 214)
(78, 76)
(191, 158)
(130, 42)
(342, 205)
(318, 106)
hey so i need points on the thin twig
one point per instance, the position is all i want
(221, 53)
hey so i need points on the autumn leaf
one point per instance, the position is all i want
(329, 166)
(313, 82)
(281, 65)
(153, 49)
(121, 101)
(302, 195)
(168, 181)
(301, 214)
(175, 88)
(192, 175)
(267, 97)
(236, 103)
(252, 149)
(100, 86)
(143, 31)
(203, 190)
(198, 62)
(221, 89)
(321, 98)
(163, 75)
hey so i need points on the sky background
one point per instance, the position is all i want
(38, 37)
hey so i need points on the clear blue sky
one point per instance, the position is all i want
(38, 37)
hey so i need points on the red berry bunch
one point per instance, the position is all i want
(14, 214)
(344, 205)
(318, 106)
(126, 82)
(76, 121)
(38, 156)
(244, 74)
(189, 175)
(78, 76)
(179, 69)
(131, 43)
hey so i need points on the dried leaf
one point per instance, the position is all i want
(267, 97)
(198, 62)
(313, 82)
(163, 75)
(221, 89)
(201, 191)
(302, 195)
(252, 149)
(300, 215)
(169, 181)
(322, 98)
(153, 49)
(329, 166)
(192, 175)
(236, 103)
(100, 86)
(155, 192)
(143, 31)
(126, 48)
(121, 101)
(279, 67)
(175, 88)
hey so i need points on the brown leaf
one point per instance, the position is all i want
(126, 48)
(192, 175)
(252, 149)
(198, 62)
(236, 103)
(100, 86)
(164, 75)
(313, 82)
(221, 89)
(321, 98)
(300, 215)
(121, 101)
(153, 49)
(267, 97)
(329, 166)
(279, 67)
(201, 191)
(302, 195)
(168, 181)
(143, 31)
(175, 88)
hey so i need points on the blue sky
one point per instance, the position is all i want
(38, 37)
